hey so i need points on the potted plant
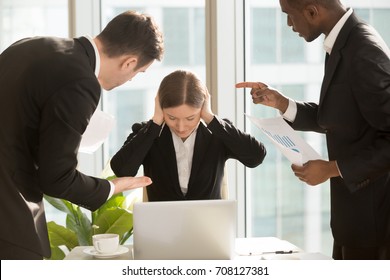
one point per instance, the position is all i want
(114, 216)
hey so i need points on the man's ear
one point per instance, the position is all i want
(129, 62)
(311, 12)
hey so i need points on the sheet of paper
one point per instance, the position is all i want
(288, 141)
(97, 132)
(262, 245)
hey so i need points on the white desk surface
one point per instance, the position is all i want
(262, 248)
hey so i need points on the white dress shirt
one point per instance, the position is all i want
(97, 71)
(184, 154)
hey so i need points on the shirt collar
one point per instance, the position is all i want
(97, 56)
(332, 36)
(189, 142)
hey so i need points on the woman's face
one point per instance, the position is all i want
(182, 120)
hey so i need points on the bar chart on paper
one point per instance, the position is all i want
(292, 146)
(282, 140)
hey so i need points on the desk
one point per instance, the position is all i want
(261, 248)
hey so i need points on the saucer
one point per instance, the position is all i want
(91, 251)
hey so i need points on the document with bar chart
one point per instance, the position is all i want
(288, 141)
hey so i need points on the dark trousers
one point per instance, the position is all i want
(365, 253)
(9, 251)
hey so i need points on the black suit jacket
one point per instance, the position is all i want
(354, 112)
(152, 146)
(49, 92)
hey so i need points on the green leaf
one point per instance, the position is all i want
(115, 220)
(60, 204)
(59, 235)
(115, 201)
(126, 236)
(56, 254)
(81, 224)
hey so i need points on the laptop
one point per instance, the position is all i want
(184, 230)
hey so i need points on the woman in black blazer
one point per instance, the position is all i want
(184, 147)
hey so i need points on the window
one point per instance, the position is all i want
(272, 40)
(19, 19)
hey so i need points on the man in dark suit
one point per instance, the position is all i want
(354, 113)
(49, 89)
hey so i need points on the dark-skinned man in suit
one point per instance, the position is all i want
(354, 113)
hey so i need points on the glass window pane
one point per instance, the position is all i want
(292, 46)
(380, 20)
(198, 38)
(176, 43)
(263, 35)
(20, 19)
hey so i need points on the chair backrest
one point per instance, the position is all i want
(225, 186)
(145, 195)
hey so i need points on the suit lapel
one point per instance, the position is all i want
(202, 141)
(167, 149)
(335, 56)
(330, 69)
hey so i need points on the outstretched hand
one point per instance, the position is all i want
(128, 183)
(265, 95)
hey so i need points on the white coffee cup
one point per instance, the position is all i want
(106, 243)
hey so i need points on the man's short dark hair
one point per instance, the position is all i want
(133, 33)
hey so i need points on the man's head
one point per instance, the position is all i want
(311, 18)
(129, 44)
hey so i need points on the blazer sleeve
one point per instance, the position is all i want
(306, 118)
(64, 118)
(130, 157)
(239, 145)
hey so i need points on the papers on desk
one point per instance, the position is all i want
(272, 248)
(292, 146)
(296, 256)
(263, 245)
(97, 132)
